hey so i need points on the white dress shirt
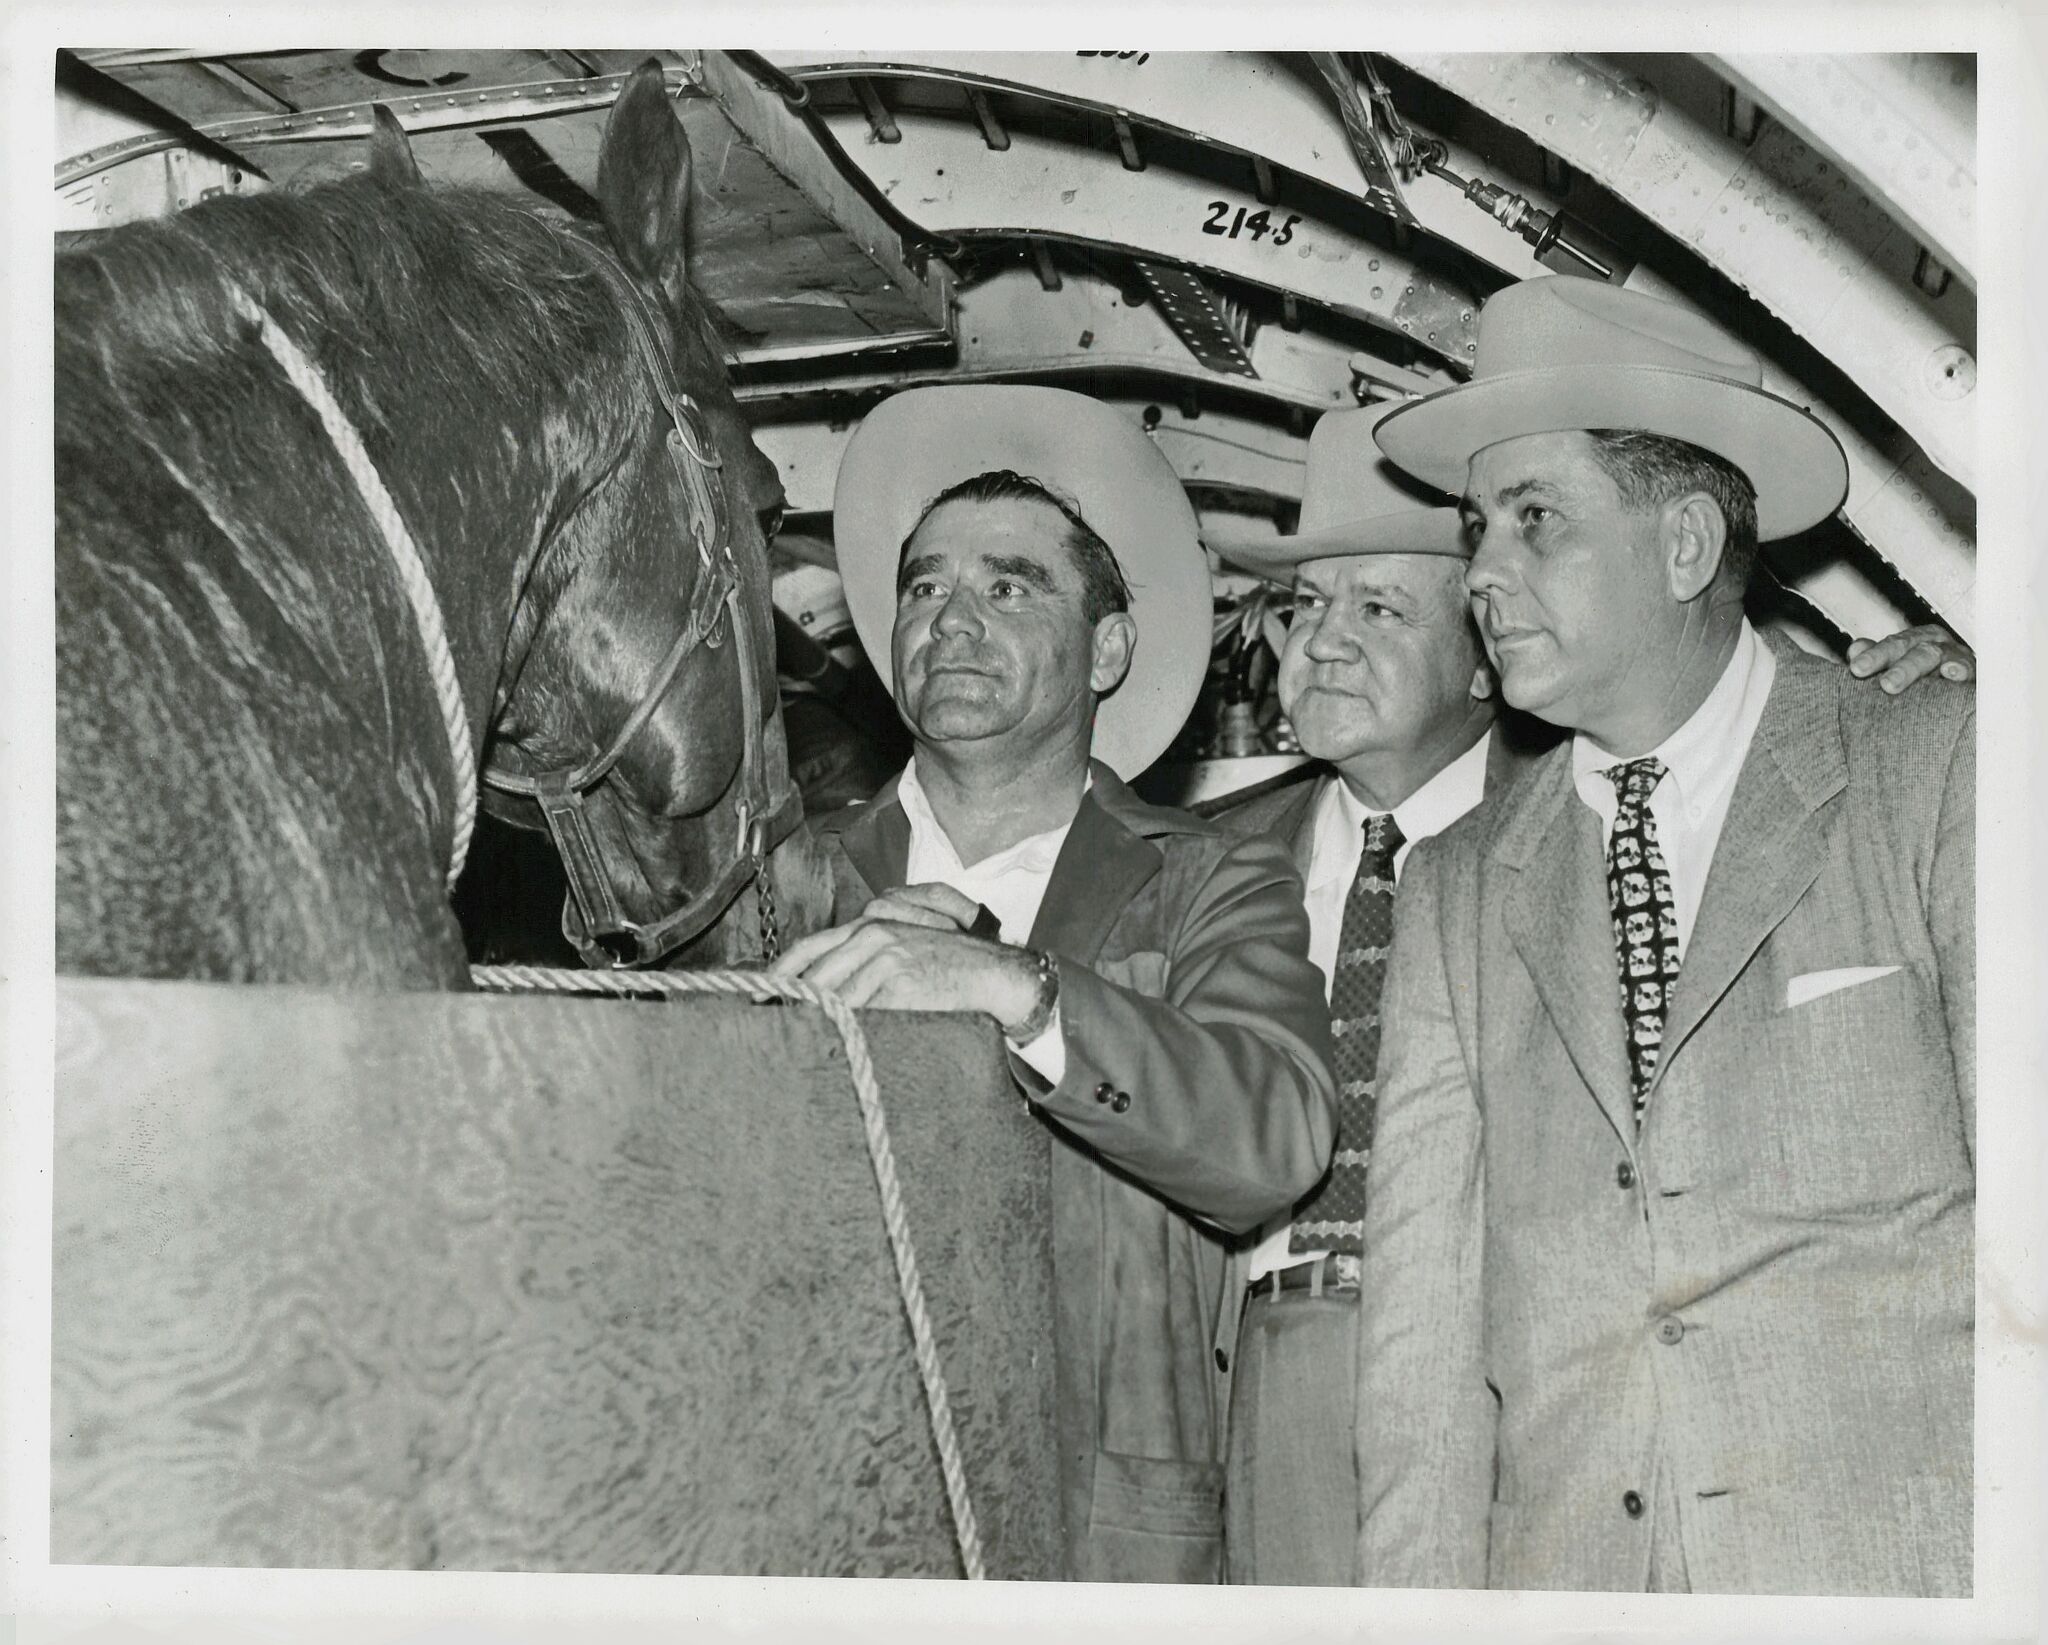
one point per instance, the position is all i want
(1334, 851)
(1010, 884)
(1702, 760)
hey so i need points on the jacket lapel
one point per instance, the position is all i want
(1556, 914)
(1515, 744)
(1301, 827)
(1772, 844)
(1102, 865)
(877, 841)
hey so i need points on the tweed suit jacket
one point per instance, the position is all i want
(1769, 1290)
(1185, 985)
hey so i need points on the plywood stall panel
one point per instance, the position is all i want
(549, 1284)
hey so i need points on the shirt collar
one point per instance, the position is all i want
(1432, 808)
(1708, 745)
(1035, 853)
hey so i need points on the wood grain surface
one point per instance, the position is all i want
(447, 1281)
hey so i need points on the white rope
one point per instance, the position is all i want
(412, 571)
(513, 978)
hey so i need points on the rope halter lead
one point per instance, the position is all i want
(305, 376)
(767, 805)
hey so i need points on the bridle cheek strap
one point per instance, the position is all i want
(767, 806)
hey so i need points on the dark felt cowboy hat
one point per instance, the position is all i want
(1353, 501)
(916, 444)
(1562, 353)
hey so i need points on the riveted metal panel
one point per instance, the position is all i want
(943, 177)
(1778, 218)
(777, 132)
(1009, 326)
(1196, 317)
(1253, 102)
(1903, 125)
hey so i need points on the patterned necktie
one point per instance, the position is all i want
(1332, 1218)
(1645, 919)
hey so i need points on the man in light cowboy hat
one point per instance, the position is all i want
(1022, 566)
(1386, 683)
(1382, 677)
(1669, 1256)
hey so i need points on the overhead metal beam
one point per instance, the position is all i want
(429, 111)
(1777, 217)
(943, 178)
(1008, 326)
(767, 121)
(1903, 125)
(1247, 101)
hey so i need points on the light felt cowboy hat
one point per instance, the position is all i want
(1563, 353)
(1353, 501)
(917, 444)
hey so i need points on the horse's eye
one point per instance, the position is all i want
(771, 520)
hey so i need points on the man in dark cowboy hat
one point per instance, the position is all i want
(1022, 567)
(1668, 1251)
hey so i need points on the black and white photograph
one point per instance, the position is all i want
(1121, 821)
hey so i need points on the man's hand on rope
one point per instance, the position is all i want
(910, 952)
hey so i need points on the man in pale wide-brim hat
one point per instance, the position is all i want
(1023, 569)
(1384, 682)
(1668, 1248)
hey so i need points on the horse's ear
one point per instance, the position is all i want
(643, 181)
(391, 158)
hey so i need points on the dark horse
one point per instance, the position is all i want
(256, 779)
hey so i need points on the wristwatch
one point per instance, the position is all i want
(1047, 1002)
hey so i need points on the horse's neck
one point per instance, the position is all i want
(471, 486)
(476, 498)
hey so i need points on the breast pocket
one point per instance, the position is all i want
(1859, 1086)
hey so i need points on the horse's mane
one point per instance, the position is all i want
(498, 289)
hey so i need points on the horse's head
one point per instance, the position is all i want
(640, 689)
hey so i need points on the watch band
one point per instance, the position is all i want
(1043, 1007)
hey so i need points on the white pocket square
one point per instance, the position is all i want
(1816, 983)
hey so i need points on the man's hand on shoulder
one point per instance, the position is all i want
(909, 951)
(1900, 659)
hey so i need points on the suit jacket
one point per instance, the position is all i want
(1769, 1291)
(1287, 813)
(1185, 986)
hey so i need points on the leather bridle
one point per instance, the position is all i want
(767, 806)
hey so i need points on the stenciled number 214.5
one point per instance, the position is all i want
(1258, 225)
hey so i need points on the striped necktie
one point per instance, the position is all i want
(1645, 919)
(1332, 1218)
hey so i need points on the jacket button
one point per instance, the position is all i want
(1222, 1360)
(1625, 1175)
(1104, 1092)
(1123, 1101)
(1632, 1504)
(1670, 1329)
